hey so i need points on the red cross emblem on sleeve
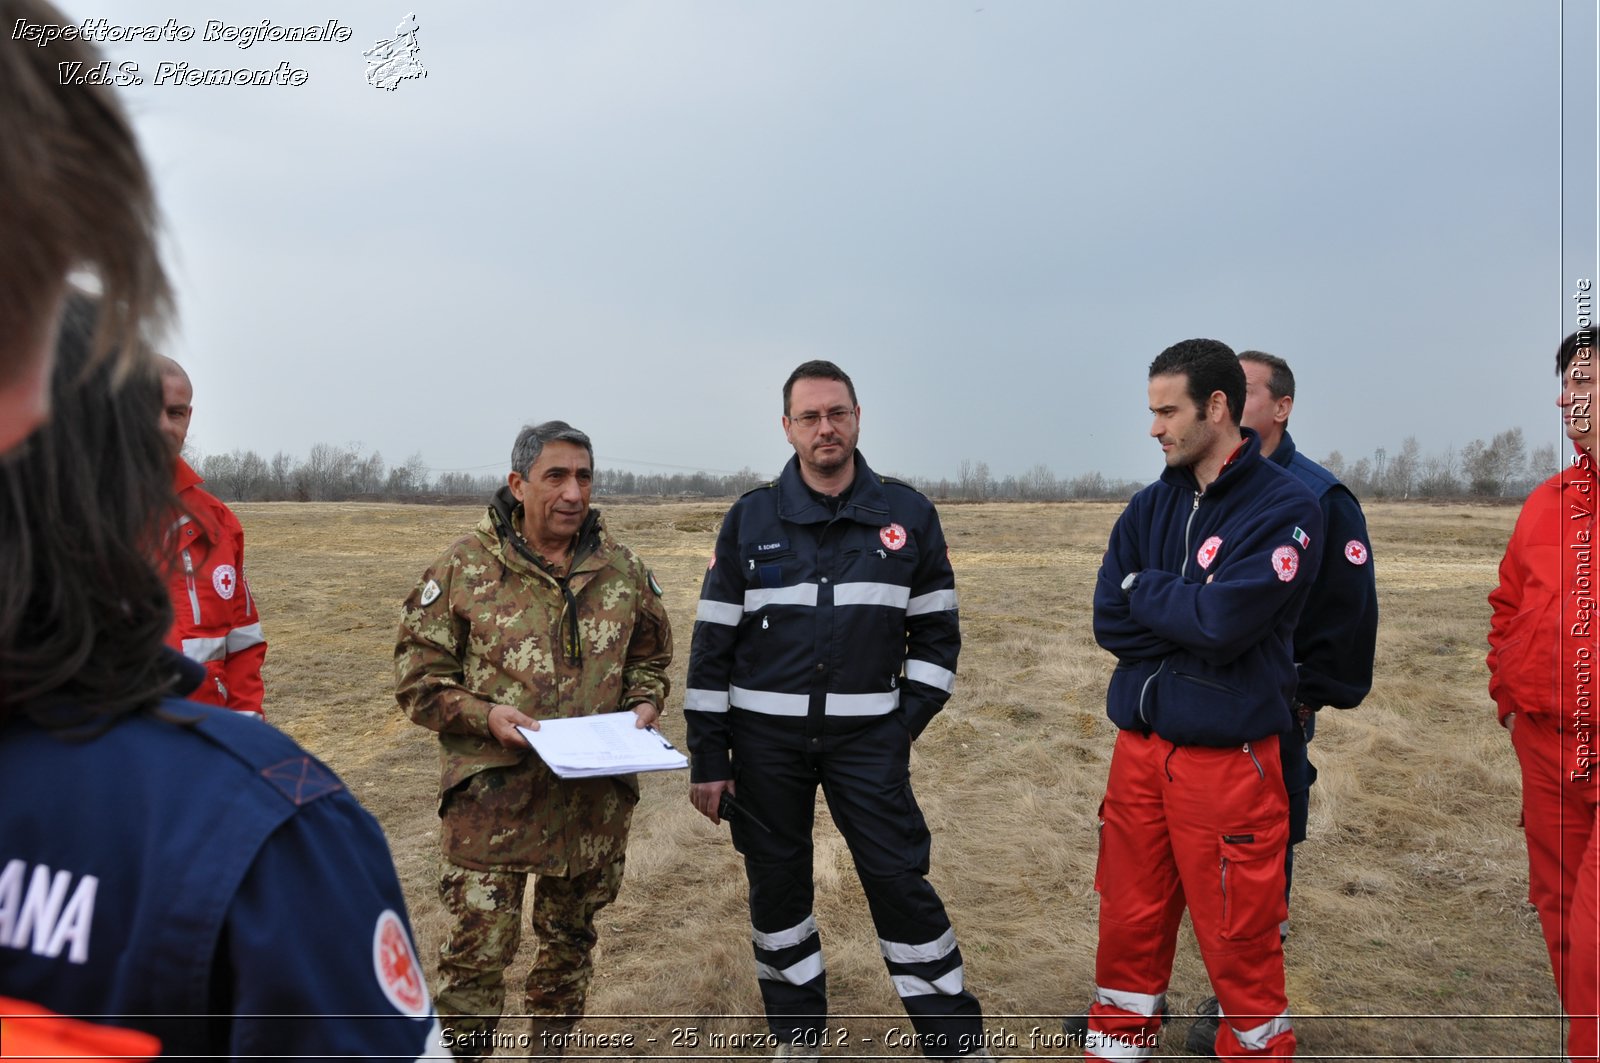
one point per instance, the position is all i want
(1355, 552)
(1285, 562)
(893, 536)
(399, 973)
(225, 580)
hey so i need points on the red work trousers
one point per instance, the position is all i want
(1559, 805)
(1207, 827)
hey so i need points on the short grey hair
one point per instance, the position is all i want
(533, 437)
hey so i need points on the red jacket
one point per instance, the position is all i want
(1543, 636)
(214, 616)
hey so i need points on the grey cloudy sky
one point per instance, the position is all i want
(639, 215)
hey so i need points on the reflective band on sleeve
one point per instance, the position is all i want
(1136, 1003)
(706, 700)
(718, 612)
(203, 650)
(932, 602)
(937, 949)
(770, 702)
(782, 939)
(931, 674)
(797, 974)
(949, 984)
(1104, 1046)
(889, 594)
(761, 597)
(242, 638)
(863, 704)
(1255, 1039)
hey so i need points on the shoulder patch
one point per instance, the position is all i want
(650, 578)
(301, 779)
(430, 593)
(394, 962)
(1285, 563)
(1355, 552)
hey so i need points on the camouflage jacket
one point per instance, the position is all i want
(488, 625)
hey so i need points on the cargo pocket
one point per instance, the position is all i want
(1250, 868)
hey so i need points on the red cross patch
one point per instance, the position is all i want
(225, 580)
(1355, 552)
(1208, 551)
(893, 536)
(1285, 563)
(399, 973)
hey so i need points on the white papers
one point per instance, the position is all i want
(582, 747)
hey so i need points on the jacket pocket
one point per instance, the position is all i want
(768, 564)
(1250, 878)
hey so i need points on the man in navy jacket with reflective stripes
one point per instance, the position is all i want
(825, 641)
(1198, 595)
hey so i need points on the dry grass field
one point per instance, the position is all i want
(1411, 936)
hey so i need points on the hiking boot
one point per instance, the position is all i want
(1201, 1039)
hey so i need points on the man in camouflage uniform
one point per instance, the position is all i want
(538, 613)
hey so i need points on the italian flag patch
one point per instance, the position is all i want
(1302, 538)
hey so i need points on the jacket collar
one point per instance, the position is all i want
(868, 503)
(184, 477)
(1249, 454)
(1285, 452)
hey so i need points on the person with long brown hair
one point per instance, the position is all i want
(165, 866)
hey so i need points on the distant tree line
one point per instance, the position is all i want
(1501, 467)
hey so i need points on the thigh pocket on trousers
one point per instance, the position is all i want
(1250, 867)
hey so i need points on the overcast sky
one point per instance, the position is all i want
(639, 215)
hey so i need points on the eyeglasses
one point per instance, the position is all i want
(837, 418)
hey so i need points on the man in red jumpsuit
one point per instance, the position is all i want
(214, 615)
(1542, 657)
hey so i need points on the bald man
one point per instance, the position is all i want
(214, 621)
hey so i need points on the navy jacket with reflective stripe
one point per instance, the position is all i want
(821, 622)
(1204, 643)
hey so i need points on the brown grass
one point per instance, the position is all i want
(1409, 897)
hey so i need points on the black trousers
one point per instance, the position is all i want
(865, 777)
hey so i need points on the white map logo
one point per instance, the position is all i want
(394, 60)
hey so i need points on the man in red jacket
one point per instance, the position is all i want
(214, 615)
(1543, 647)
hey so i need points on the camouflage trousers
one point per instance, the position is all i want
(485, 909)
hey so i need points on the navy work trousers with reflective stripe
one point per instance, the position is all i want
(865, 777)
(1206, 827)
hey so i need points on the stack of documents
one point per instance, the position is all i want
(582, 747)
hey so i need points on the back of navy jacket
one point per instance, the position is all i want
(821, 621)
(1204, 642)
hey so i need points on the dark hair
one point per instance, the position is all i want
(1581, 339)
(532, 439)
(1281, 383)
(817, 369)
(74, 194)
(85, 504)
(1211, 366)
